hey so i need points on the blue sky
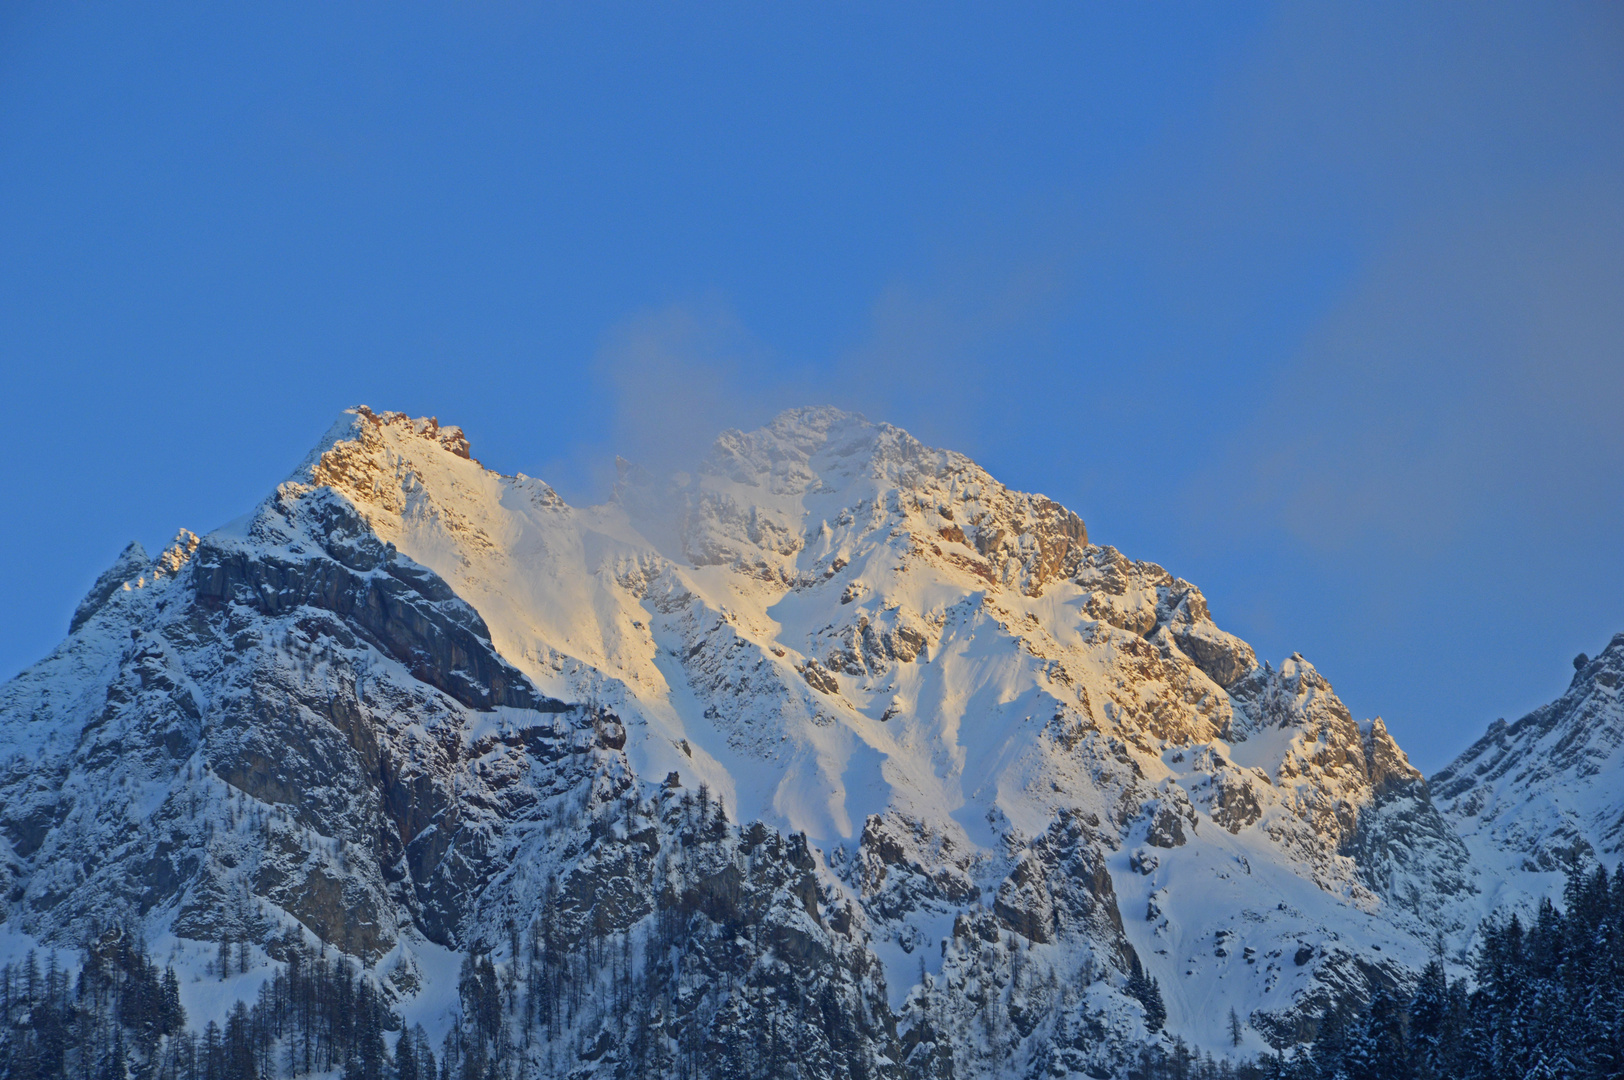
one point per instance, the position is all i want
(1320, 307)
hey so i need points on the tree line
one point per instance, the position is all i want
(122, 1018)
(318, 1013)
(1544, 1001)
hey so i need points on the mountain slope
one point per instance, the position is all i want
(409, 704)
(1542, 795)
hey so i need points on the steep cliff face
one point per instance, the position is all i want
(988, 768)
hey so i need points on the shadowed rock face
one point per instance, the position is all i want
(1062, 887)
(330, 683)
(403, 610)
(131, 562)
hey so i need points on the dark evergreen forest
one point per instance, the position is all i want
(1544, 1002)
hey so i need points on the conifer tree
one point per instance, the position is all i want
(1149, 994)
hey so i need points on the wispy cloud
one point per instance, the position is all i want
(680, 374)
(1474, 374)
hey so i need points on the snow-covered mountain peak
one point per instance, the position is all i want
(404, 678)
(129, 565)
(820, 486)
(823, 450)
(856, 577)
(363, 447)
(1545, 788)
(132, 570)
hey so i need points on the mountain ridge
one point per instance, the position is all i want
(984, 726)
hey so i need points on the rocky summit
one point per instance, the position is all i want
(836, 758)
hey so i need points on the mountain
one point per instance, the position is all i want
(1542, 795)
(835, 751)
